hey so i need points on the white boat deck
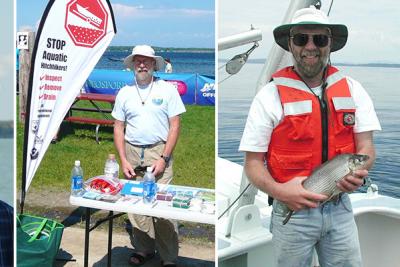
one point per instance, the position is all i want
(377, 218)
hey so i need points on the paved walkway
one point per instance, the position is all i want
(72, 247)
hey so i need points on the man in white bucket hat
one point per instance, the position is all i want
(306, 115)
(146, 130)
(144, 51)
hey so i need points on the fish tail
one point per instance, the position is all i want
(287, 217)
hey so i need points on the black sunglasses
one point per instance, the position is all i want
(301, 39)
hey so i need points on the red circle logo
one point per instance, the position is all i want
(86, 22)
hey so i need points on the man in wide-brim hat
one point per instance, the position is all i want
(308, 114)
(144, 51)
(146, 130)
(314, 19)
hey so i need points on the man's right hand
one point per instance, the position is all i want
(296, 197)
(128, 170)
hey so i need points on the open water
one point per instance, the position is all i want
(237, 92)
(6, 170)
(201, 62)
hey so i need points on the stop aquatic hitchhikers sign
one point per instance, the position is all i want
(86, 22)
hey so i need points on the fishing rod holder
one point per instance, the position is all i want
(237, 62)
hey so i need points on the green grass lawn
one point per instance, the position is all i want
(194, 154)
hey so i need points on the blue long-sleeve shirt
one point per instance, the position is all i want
(6, 234)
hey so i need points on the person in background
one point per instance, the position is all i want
(6, 235)
(168, 66)
(146, 130)
(309, 113)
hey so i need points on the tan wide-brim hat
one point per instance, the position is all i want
(311, 17)
(146, 51)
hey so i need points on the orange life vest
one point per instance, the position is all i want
(297, 142)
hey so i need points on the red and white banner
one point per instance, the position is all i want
(72, 36)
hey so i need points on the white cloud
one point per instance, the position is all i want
(125, 11)
(132, 12)
(194, 12)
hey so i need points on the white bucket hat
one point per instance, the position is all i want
(314, 17)
(146, 51)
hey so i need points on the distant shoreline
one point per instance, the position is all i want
(6, 129)
(164, 49)
(383, 65)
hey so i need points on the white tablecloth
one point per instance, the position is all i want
(159, 208)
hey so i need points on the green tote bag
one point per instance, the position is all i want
(38, 240)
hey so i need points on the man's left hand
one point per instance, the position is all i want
(159, 166)
(352, 181)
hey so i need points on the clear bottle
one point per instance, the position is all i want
(111, 168)
(77, 179)
(149, 186)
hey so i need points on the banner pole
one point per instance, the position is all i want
(28, 107)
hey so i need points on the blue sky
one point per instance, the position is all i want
(7, 54)
(167, 23)
(374, 26)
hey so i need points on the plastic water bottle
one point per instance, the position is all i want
(111, 168)
(77, 179)
(149, 186)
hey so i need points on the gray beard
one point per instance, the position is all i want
(143, 77)
(310, 71)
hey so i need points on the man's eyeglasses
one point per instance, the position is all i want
(146, 62)
(301, 39)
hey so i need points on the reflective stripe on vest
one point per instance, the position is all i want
(295, 148)
(297, 108)
(343, 103)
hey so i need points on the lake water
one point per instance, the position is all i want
(237, 92)
(201, 62)
(7, 170)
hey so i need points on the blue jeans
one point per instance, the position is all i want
(329, 228)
